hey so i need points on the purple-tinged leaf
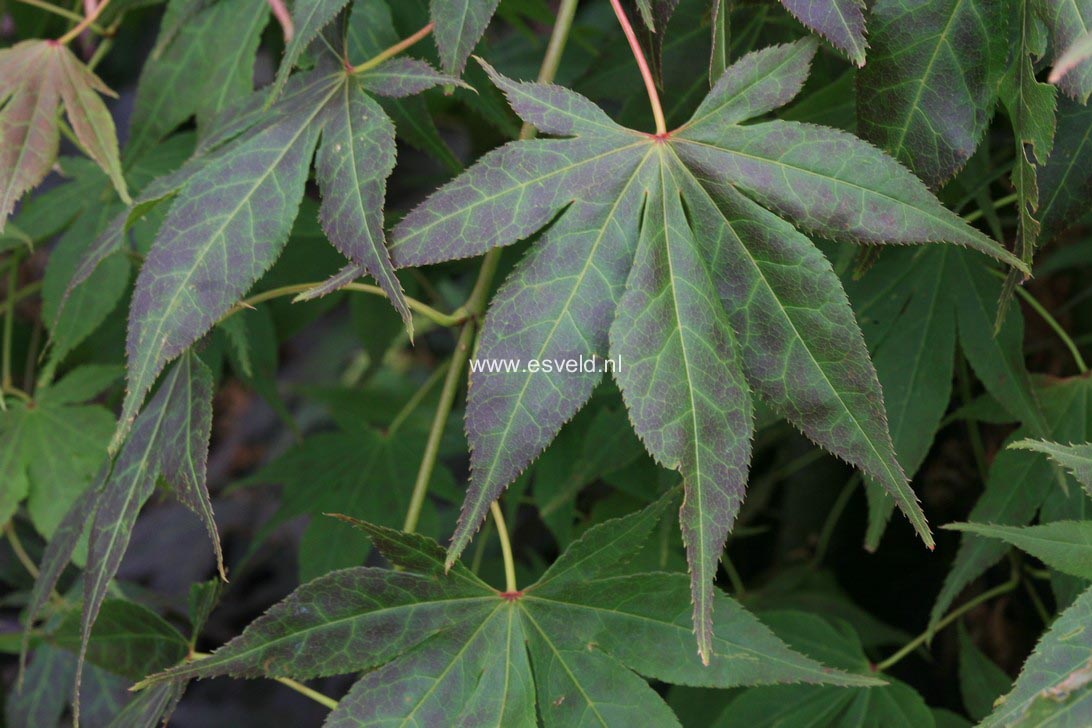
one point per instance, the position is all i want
(1070, 21)
(832, 183)
(790, 314)
(557, 306)
(353, 162)
(459, 24)
(219, 237)
(170, 441)
(681, 381)
(760, 82)
(400, 77)
(309, 17)
(841, 22)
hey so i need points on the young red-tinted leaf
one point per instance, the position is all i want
(353, 162)
(227, 229)
(1069, 22)
(760, 82)
(928, 90)
(89, 117)
(1077, 459)
(29, 96)
(839, 21)
(1017, 485)
(814, 176)
(683, 385)
(203, 61)
(170, 441)
(1055, 685)
(459, 24)
(1062, 545)
(309, 17)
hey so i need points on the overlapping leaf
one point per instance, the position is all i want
(1077, 459)
(170, 440)
(930, 85)
(36, 78)
(459, 25)
(1069, 22)
(667, 256)
(1062, 545)
(981, 681)
(1055, 686)
(1017, 485)
(232, 215)
(841, 22)
(444, 647)
(32, 434)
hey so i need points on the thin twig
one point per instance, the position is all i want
(394, 50)
(84, 24)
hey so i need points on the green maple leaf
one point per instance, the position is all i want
(1062, 545)
(1075, 458)
(930, 86)
(36, 78)
(233, 205)
(815, 706)
(440, 646)
(981, 681)
(1018, 484)
(170, 440)
(1055, 685)
(667, 255)
(33, 433)
(1069, 24)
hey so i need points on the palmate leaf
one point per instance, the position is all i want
(841, 22)
(170, 440)
(667, 256)
(930, 85)
(1055, 685)
(236, 200)
(444, 648)
(1077, 459)
(36, 77)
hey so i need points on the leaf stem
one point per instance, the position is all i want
(506, 549)
(437, 317)
(394, 50)
(952, 616)
(20, 552)
(642, 65)
(287, 682)
(415, 401)
(83, 24)
(1056, 327)
(63, 12)
(998, 203)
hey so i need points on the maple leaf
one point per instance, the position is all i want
(459, 25)
(244, 187)
(1075, 458)
(170, 440)
(841, 22)
(671, 253)
(458, 651)
(36, 78)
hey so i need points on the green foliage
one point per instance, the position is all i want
(250, 282)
